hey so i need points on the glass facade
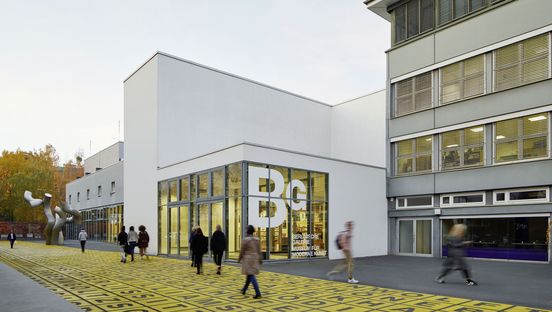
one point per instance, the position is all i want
(101, 224)
(288, 206)
(522, 238)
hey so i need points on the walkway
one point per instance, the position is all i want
(97, 281)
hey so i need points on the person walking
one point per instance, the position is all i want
(132, 241)
(194, 228)
(143, 241)
(82, 238)
(251, 260)
(122, 238)
(218, 246)
(455, 259)
(200, 246)
(12, 238)
(344, 243)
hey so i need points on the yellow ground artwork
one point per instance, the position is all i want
(97, 281)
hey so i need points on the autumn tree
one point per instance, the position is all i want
(38, 172)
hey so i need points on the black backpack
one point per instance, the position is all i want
(337, 241)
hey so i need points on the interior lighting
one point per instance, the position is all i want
(428, 139)
(537, 118)
(452, 145)
(478, 129)
(498, 137)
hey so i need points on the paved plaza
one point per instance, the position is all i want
(97, 281)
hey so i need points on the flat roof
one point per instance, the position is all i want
(380, 7)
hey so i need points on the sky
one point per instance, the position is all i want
(63, 63)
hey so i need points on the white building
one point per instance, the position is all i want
(207, 147)
(99, 195)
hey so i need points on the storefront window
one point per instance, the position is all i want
(218, 183)
(185, 189)
(275, 197)
(234, 180)
(172, 191)
(504, 238)
(203, 185)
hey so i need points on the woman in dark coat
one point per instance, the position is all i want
(455, 259)
(143, 241)
(200, 246)
(218, 246)
(194, 228)
(251, 260)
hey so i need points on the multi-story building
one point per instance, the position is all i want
(99, 195)
(468, 125)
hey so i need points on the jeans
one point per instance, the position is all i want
(131, 247)
(217, 255)
(123, 252)
(82, 244)
(251, 279)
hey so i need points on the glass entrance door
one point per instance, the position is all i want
(209, 216)
(173, 231)
(414, 237)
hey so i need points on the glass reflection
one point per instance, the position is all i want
(218, 183)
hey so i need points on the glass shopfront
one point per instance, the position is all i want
(289, 208)
(512, 238)
(101, 224)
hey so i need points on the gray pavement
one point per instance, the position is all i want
(527, 284)
(19, 293)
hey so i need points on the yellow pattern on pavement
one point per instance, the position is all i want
(97, 281)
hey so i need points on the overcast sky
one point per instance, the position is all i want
(62, 63)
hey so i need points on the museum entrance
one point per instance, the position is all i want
(287, 206)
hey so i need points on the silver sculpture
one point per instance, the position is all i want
(56, 217)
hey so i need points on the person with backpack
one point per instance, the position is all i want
(343, 242)
(143, 241)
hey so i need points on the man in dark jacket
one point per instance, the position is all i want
(123, 243)
(12, 238)
(218, 246)
(200, 246)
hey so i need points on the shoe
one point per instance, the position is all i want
(352, 281)
(470, 282)
(439, 280)
(218, 272)
(243, 291)
(257, 296)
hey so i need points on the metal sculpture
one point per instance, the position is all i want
(56, 217)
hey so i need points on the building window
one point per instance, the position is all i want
(112, 187)
(173, 195)
(414, 155)
(415, 202)
(78, 197)
(521, 138)
(412, 18)
(463, 79)
(462, 148)
(69, 199)
(99, 191)
(413, 94)
(453, 9)
(87, 194)
(521, 63)
(463, 199)
(519, 196)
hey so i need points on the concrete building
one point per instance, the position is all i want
(468, 125)
(99, 195)
(205, 147)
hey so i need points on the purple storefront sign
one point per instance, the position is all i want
(532, 254)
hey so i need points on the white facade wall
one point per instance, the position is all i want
(103, 178)
(140, 115)
(202, 110)
(358, 130)
(104, 158)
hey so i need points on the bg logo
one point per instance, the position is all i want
(277, 197)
